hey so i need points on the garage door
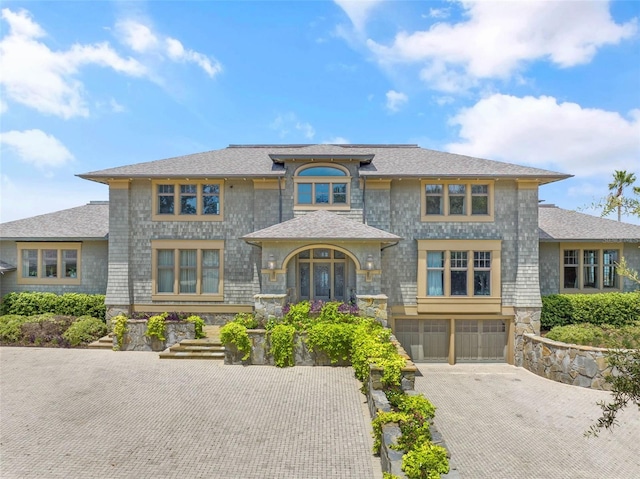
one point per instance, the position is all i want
(475, 340)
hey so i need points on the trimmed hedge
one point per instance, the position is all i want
(68, 304)
(616, 309)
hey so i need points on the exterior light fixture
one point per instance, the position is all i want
(271, 266)
(368, 265)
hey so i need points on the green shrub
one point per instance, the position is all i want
(605, 336)
(616, 309)
(119, 327)
(281, 339)
(198, 324)
(85, 329)
(236, 334)
(371, 345)
(427, 461)
(11, 327)
(248, 320)
(156, 327)
(71, 304)
(334, 339)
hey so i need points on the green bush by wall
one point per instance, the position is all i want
(68, 304)
(616, 309)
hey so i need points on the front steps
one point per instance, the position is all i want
(209, 347)
(103, 343)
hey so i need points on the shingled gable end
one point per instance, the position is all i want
(453, 248)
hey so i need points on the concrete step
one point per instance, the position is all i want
(168, 354)
(211, 348)
(105, 342)
(201, 342)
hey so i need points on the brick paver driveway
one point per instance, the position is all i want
(100, 414)
(503, 422)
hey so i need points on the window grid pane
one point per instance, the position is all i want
(165, 199)
(610, 276)
(211, 199)
(479, 199)
(165, 271)
(69, 263)
(50, 263)
(434, 199)
(457, 196)
(590, 269)
(188, 270)
(435, 273)
(210, 271)
(29, 263)
(458, 273)
(188, 199)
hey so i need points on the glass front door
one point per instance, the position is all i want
(321, 274)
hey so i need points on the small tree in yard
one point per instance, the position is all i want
(625, 364)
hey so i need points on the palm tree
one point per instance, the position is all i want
(621, 179)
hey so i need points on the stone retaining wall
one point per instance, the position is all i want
(584, 366)
(136, 340)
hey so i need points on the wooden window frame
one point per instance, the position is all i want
(448, 303)
(330, 180)
(176, 246)
(176, 215)
(40, 247)
(581, 248)
(446, 216)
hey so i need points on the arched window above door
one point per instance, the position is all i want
(322, 187)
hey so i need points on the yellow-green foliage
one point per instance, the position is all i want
(85, 329)
(198, 324)
(371, 345)
(248, 320)
(427, 461)
(11, 327)
(604, 336)
(236, 334)
(281, 338)
(156, 326)
(334, 339)
(119, 324)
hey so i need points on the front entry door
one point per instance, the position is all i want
(321, 275)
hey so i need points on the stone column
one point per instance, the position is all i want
(373, 306)
(269, 306)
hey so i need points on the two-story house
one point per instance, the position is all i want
(451, 247)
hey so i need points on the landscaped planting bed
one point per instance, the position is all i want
(154, 332)
(50, 330)
(330, 333)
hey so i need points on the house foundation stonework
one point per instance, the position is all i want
(526, 321)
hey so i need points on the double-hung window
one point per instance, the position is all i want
(589, 267)
(322, 186)
(176, 200)
(187, 270)
(49, 263)
(457, 200)
(455, 272)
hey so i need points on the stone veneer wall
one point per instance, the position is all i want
(566, 363)
(136, 340)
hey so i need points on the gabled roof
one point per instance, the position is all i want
(375, 160)
(321, 225)
(557, 224)
(90, 221)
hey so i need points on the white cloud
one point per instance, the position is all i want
(358, 11)
(115, 106)
(336, 140)
(287, 122)
(439, 12)
(142, 39)
(137, 36)
(37, 198)
(46, 80)
(496, 39)
(544, 133)
(37, 148)
(395, 100)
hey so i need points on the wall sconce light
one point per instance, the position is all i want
(368, 265)
(271, 266)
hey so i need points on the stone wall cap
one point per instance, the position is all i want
(269, 296)
(371, 296)
(552, 342)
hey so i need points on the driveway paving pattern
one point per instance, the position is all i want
(503, 422)
(100, 414)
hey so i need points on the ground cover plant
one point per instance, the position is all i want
(602, 336)
(50, 330)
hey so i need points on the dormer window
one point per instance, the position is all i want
(322, 186)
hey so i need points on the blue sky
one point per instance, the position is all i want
(92, 85)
